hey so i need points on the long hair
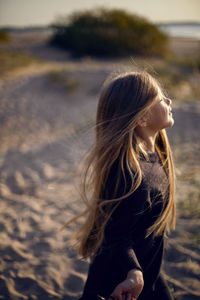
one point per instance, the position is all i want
(122, 101)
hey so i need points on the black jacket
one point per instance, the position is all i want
(125, 246)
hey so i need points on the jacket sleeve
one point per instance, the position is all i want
(120, 231)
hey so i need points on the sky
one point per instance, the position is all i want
(43, 12)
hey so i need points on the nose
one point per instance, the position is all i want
(168, 101)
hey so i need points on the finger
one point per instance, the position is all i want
(124, 296)
(129, 296)
(116, 296)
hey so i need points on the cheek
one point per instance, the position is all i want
(158, 118)
(161, 112)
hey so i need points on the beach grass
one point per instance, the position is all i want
(180, 76)
(4, 37)
(11, 60)
(64, 80)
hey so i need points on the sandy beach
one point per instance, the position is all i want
(47, 112)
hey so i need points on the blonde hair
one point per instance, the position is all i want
(122, 101)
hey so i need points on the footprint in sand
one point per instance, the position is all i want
(74, 283)
(80, 266)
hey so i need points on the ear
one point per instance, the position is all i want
(142, 122)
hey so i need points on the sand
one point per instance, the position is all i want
(46, 127)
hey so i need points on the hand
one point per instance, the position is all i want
(131, 287)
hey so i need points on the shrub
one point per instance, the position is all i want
(4, 37)
(109, 33)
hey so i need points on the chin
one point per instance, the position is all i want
(172, 121)
(170, 124)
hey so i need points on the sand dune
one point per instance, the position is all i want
(45, 130)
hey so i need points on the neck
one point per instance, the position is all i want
(148, 139)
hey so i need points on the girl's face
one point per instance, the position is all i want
(159, 115)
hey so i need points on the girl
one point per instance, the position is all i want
(131, 173)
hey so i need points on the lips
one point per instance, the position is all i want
(170, 113)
